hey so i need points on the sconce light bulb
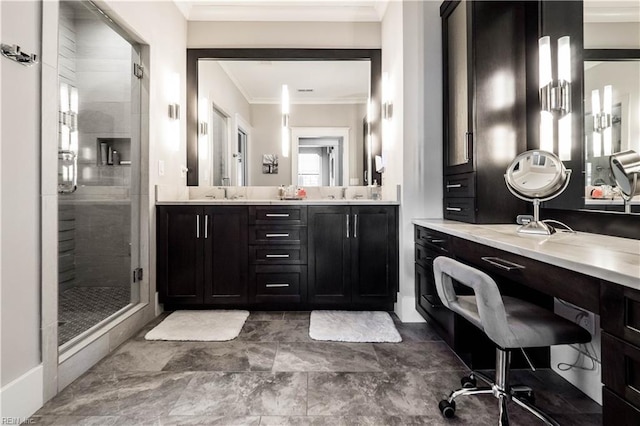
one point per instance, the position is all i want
(285, 142)
(564, 59)
(285, 99)
(595, 102)
(608, 99)
(544, 50)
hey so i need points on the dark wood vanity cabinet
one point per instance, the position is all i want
(278, 256)
(353, 256)
(202, 255)
(485, 121)
(620, 321)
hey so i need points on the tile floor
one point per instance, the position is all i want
(274, 374)
(80, 308)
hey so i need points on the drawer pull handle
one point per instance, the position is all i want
(277, 256)
(454, 185)
(206, 226)
(277, 235)
(277, 285)
(197, 226)
(502, 264)
(436, 241)
(454, 209)
(347, 217)
(277, 215)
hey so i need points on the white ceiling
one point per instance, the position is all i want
(331, 82)
(284, 10)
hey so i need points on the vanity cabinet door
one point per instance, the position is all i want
(180, 255)
(374, 255)
(226, 248)
(329, 255)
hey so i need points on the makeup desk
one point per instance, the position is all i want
(598, 273)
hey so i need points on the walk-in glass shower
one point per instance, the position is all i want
(98, 170)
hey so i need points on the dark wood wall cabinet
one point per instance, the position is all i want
(485, 126)
(278, 257)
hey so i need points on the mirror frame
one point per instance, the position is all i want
(275, 54)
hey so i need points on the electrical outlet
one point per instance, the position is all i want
(588, 322)
(160, 167)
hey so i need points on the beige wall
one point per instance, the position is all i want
(612, 35)
(285, 34)
(20, 196)
(412, 139)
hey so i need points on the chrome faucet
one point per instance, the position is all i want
(344, 193)
(225, 191)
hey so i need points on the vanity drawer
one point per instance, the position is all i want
(434, 240)
(274, 215)
(621, 368)
(279, 283)
(278, 255)
(277, 235)
(620, 312)
(462, 185)
(461, 209)
(576, 288)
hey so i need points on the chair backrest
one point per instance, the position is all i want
(490, 307)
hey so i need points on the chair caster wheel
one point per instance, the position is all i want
(448, 409)
(468, 382)
(529, 396)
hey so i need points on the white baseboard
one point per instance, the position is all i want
(405, 308)
(22, 397)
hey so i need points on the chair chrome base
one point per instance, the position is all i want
(521, 395)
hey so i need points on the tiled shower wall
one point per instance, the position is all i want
(93, 236)
(104, 73)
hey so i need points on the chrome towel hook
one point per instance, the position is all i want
(13, 52)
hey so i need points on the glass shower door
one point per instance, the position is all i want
(99, 172)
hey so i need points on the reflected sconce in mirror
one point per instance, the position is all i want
(602, 121)
(625, 166)
(387, 105)
(555, 97)
(286, 143)
(203, 117)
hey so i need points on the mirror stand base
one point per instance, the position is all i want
(536, 228)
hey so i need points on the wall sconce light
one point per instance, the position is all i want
(555, 97)
(285, 121)
(174, 111)
(602, 121)
(387, 105)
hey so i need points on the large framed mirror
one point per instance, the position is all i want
(612, 121)
(611, 97)
(235, 116)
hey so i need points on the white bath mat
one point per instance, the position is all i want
(353, 326)
(201, 326)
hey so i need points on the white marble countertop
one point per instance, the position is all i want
(244, 202)
(612, 259)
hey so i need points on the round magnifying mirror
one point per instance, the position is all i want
(537, 176)
(626, 167)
